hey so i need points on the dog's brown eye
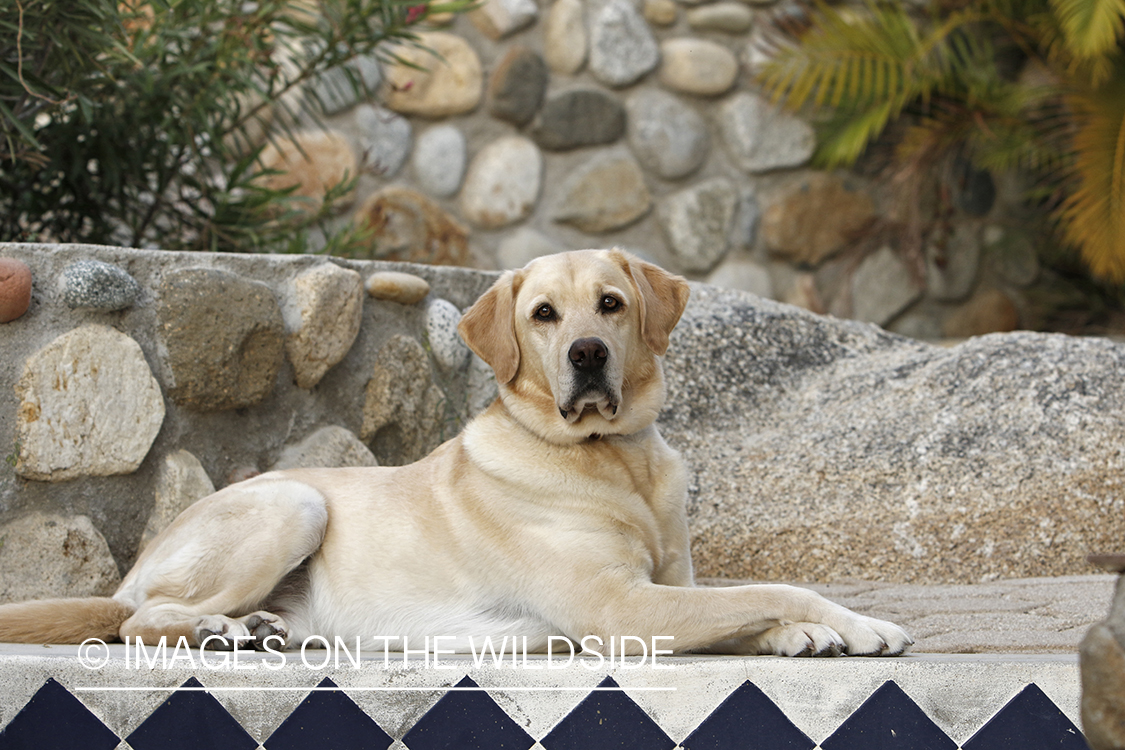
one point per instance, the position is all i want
(610, 303)
(545, 312)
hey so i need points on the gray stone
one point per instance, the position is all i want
(579, 117)
(439, 160)
(882, 287)
(395, 286)
(322, 313)
(952, 261)
(497, 19)
(622, 47)
(450, 351)
(605, 193)
(45, 556)
(1012, 255)
(180, 481)
(517, 85)
(668, 137)
(760, 137)
(746, 275)
(224, 336)
(564, 37)
(89, 406)
(523, 246)
(385, 138)
(502, 186)
(697, 66)
(745, 230)
(889, 459)
(697, 222)
(329, 447)
(403, 409)
(731, 17)
(343, 87)
(96, 285)
(481, 389)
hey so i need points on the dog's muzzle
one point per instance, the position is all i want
(588, 358)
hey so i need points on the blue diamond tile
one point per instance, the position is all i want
(1030, 721)
(747, 720)
(889, 720)
(606, 720)
(55, 719)
(468, 720)
(328, 721)
(190, 720)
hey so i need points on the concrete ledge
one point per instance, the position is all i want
(975, 702)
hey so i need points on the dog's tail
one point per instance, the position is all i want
(62, 620)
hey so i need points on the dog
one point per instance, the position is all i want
(558, 511)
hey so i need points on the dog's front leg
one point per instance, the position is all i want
(770, 618)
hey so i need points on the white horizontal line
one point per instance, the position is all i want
(268, 688)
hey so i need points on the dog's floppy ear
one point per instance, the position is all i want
(663, 299)
(489, 328)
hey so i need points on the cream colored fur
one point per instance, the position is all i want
(558, 511)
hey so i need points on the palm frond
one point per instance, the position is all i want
(1093, 214)
(1090, 28)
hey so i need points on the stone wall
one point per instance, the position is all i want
(818, 449)
(569, 124)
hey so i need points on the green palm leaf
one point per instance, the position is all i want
(1090, 27)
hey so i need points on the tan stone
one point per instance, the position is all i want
(315, 162)
(409, 226)
(1103, 689)
(815, 219)
(731, 17)
(697, 66)
(44, 556)
(393, 286)
(660, 12)
(497, 19)
(89, 406)
(403, 407)
(447, 81)
(329, 447)
(988, 311)
(564, 37)
(322, 315)
(180, 481)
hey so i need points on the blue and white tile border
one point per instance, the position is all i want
(956, 694)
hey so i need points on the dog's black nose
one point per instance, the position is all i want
(588, 354)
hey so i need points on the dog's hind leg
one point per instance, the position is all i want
(207, 574)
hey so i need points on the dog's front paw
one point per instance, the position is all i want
(866, 636)
(797, 639)
(266, 629)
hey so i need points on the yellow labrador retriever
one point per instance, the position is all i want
(559, 511)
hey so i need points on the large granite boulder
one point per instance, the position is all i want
(823, 449)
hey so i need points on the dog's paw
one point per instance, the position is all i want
(866, 636)
(264, 626)
(219, 633)
(798, 639)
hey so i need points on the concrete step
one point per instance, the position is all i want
(61, 697)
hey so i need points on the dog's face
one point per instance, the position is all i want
(574, 340)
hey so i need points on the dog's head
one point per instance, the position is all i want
(574, 340)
